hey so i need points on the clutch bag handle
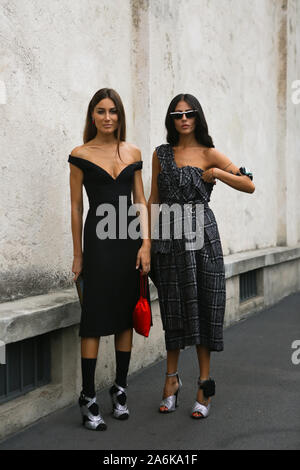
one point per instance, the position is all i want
(143, 284)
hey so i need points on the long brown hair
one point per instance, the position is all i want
(90, 130)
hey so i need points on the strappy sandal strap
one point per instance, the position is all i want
(91, 421)
(120, 389)
(120, 411)
(90, 400)
(170, 402)
(199, 408)
(174, 374)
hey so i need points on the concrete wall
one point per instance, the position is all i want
(239, 58)
(54, 56)
(293, 123)
(234, 55)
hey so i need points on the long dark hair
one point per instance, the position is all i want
(90, 130)
(201, 130)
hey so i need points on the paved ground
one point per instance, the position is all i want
(256, 406)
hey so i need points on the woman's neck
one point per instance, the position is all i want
(101, 139)
(187, 141)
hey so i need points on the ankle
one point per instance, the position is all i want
(206, 388)
(171, 380)
(172, 376)
(201, 398)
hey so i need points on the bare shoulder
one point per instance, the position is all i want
(217, 158)
(132, 150)
(79, 151)
(156, 166)
(214, 153)
(155, 156)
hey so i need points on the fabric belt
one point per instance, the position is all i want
(192, 202)
(168, 232)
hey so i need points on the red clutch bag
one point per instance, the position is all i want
(142, 312)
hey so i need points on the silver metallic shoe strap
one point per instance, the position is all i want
(96, 419)
(120, 389)
(172, 375)
(168, 402)
(178, 378)
(118, 406)
(90, 401)
(199, 408)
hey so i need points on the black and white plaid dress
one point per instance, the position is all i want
(190, 283)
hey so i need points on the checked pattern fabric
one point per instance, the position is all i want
(190, 282)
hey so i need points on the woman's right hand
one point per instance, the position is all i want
(77, 266)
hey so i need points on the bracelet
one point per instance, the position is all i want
(244, 171)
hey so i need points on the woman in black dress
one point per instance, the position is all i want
(109, 168)
(190, 281)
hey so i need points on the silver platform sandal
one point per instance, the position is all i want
(209, 387)
(120, 411)
(171, 402)
(89, 420)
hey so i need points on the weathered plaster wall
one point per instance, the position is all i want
(54, 57)
(238, 58)
(225, 54)
(293, 123)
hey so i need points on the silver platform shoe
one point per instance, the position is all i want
(119, 411)
(171, 402)
(89, 420)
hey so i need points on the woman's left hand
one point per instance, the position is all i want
(143, 259)
(209, 176)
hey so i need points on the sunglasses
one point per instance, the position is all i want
(179, 114)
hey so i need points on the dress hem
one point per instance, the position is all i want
(107, 333)
(194, 342)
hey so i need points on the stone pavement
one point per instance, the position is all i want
(256, 406)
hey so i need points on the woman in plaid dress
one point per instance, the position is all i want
(190, 280)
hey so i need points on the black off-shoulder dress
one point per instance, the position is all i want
(111, 280)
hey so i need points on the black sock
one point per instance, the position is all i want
(122, 366)
(88, 367)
